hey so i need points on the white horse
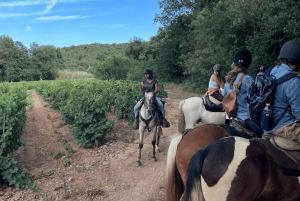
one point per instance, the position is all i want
(192, 111)
(150, 121)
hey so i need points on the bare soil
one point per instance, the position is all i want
(65, 171)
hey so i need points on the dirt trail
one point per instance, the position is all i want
(107, 172)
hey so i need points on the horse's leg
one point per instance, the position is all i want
(159, 132)
(154, 142)
(141, 131)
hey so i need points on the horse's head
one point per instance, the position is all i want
(149, 101)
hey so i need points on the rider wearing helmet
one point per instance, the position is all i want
(216, 84)
(149, 84)
(286, 106)
(241, 62)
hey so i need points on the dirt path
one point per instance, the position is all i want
(64, 170)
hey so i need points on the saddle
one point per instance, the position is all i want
(211, 106)
(241, 127)
(288, 161)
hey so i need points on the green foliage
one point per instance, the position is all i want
(12, 120)
(84, 104)
(84, 57)
(69, 74)
(59, 154)
(14, 61)
(198, 34)
(12, 174)
(46, 61)
(114, 68)
(67, 163)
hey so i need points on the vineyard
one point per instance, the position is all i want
(84, 105)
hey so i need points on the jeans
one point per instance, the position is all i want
(161, 105)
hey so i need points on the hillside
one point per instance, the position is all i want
(83, 57)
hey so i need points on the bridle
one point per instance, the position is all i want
(149, 105)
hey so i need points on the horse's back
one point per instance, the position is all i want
(195, 140)
(238, 169)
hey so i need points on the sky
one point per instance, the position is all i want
(64, 23)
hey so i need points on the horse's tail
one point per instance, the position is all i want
(181, 122)
(193, 184)
(174, 185)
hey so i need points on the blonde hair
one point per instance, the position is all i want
(231, 75)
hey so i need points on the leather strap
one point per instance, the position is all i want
(238, 84)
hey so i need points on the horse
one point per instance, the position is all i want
(149, 115)
(192, 110)
(235, 168)
(181, 149)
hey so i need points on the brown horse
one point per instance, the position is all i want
(238, 169)
(181, 149)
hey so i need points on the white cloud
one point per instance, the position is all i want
(52, 18)
(50, 6)
(28, 28)
(37, 2)
(115, 26)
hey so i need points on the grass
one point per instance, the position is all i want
(68, 74)
(59, 154)
(30, 100)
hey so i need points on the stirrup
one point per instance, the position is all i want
(165, 123)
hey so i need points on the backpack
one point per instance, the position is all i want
(262, 91)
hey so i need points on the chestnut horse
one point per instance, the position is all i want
(181, 149)
(150, 121)
(192, 110)
(238, 169)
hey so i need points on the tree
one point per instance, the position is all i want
(115, 68)
(14, 60)
(46, 61)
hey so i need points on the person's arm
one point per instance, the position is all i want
(156, 88)
(219, 82)
(142, 88)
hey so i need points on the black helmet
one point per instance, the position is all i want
(217, 67)
(148, 71)
(290, 50)
(243, 58)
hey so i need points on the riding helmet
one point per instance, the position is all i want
(290, 50)
(243, 58)
(217, 67)
(148, 71)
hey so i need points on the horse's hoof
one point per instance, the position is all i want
(154, 159)
(137, 163)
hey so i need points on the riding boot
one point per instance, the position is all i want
(136, 124)
(165, 123)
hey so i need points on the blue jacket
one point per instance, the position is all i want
(242, 111)
(287, 94)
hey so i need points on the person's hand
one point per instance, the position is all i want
(141, 84)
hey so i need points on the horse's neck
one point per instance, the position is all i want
(144, 113)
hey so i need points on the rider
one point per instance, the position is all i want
(216, 84)
(149, 84)
(287, 98)
(241, 62)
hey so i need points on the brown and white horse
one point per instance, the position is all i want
(181, 149)
(192, 110)
(237, 169)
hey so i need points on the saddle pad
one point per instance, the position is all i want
(286, 164)
(233, 132)
(210, 106)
